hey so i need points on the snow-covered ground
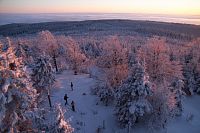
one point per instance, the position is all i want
(89, 115)
(190, 120)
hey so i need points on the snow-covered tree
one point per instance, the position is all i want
(73, 54)
(132, 56)
(132, 97)
(159, 66)
(167, 103)
(25, 52)
(161, 69)
(177, 90)
(48, 43)
(192, 67)
(19, 51)
(190, 79)
(51, 121)
(114, 61)
(90, 46)
(16, 93)
(42, 73)
(104, 92)
(160, 102)
(18, 99)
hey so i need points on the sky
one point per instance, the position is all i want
(170, 7)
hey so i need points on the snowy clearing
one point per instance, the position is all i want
(89, 116)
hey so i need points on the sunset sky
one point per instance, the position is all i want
(171, 7)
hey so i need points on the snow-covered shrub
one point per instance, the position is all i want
(131, 97)
(105, 93)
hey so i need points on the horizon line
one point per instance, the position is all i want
(100, 13)
(170, 22)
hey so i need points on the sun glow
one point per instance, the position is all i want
(172, 7)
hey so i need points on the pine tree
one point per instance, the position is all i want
(190, 82)
(177, 90)
(25, 52)
(16, 93)
(42, 73)
(192, 67)
(132, 96)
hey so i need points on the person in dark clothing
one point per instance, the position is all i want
(73, 106)
(65, 98)
(72, 86)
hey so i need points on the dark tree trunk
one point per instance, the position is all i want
(49, 100)
(55, 63)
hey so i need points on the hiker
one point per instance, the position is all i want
(73, 106)
(65, 98)
(72, 86)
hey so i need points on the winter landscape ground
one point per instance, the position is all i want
(89, 116)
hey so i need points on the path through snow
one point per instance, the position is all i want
(89, 116)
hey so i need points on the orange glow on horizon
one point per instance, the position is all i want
(170, 7)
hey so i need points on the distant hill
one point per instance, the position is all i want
(106, 27)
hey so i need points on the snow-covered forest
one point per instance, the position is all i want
(117, 82)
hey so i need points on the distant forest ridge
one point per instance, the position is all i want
(106, 27)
